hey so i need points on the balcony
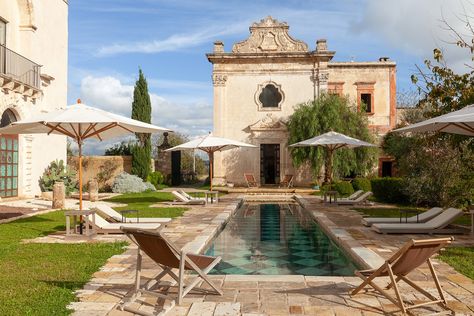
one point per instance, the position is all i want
(19, 74)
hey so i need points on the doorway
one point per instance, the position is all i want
(8, 158)
(269, 163)
(386, 168)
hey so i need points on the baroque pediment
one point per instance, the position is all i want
(268, 36)
(269, 123)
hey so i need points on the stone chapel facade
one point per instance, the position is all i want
(257, 85)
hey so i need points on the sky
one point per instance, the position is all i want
(110, 39)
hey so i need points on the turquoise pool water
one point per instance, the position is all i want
(272, 239)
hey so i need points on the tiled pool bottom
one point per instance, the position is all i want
(272, 239)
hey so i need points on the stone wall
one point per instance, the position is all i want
(103, 168)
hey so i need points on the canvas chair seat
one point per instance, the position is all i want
(168, 257)
(413, 254)
(250, 179)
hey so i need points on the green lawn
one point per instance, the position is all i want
(142, 201)
(460, 258)
(395, 212)
(40, 279)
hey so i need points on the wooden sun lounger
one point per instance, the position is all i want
(413, 254)
(167, 256)
(437, 225)
(421, 218)
(113, 216)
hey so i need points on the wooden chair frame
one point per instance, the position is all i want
(386, 269)
(185, 263)
(252, 183)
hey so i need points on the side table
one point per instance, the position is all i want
(332, 195)
(211, 195)
(75, 214)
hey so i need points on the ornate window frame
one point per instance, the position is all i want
(366, 88)
(260, 87)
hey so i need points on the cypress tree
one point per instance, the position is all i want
(141, 110)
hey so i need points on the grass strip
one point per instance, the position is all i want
(40, 279)
(460, 258)
(142, 203)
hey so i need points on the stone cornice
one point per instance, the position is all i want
(309, 57)
(356, 64)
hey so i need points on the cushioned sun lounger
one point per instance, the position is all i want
(182, 200)
(189, 197)
(361, 199)
(113, 216)
(353, 196)
(104, 227)
(413, 254)
(422, 218)
(168, 257)
(436, 225)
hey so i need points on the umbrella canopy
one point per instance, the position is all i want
(210, 144)
(81, 122)
(332, 141)
(457, 122)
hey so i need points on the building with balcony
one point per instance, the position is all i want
(33, 80)
(258, 84)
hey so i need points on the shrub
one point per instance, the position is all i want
(127, 183)
(389, 190)
(344, 188)
(156, 178)
(361, 184)
(58, 171)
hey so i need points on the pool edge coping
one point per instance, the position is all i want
(362, 255)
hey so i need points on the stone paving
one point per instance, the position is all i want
(270, 294)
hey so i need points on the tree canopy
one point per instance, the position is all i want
(325, 114)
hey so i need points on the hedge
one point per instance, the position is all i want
(389, 190)
(344, 188)
(361, 184)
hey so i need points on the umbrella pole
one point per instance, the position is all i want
(211, 158)
(80, 184)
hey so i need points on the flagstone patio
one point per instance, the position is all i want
(272, 294)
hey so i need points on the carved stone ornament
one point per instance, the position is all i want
(219, 79)
(269, 123)
(269, 36)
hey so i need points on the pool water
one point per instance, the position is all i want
(270, 239)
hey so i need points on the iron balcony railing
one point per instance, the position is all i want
(19, 67)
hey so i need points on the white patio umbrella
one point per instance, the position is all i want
(81, 122)
(210, 144)
(332, 141)
(457, 122)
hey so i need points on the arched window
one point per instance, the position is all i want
(270, 97)
(8, 117)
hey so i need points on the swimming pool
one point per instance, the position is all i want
(271, 239)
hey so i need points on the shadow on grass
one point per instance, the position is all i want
(70, 285)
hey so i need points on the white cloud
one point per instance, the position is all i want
(111, 94)
(416, 27)
(174, 42)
